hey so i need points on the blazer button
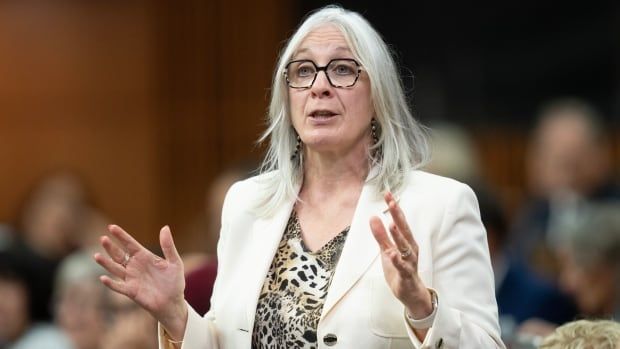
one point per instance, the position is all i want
(439, 344)
(330, 339)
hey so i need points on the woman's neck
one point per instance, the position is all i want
(328, 173)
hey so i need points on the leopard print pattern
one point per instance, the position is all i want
(292, 297)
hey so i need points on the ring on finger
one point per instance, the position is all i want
(405, 253)
(125, 261)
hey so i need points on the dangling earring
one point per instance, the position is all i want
(295, 155)
(373, 131)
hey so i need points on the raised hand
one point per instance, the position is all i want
(399, 258)
(154, 283)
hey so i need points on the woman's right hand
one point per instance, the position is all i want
(154, 283)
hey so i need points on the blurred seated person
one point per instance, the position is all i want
(521, 294)
(18, 330)
(129, 326)
(568, 163)
(81, 301)
(49, 220)
(590, 267)
(584, 334)
(94, 317)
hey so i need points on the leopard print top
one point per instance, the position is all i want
(291, 301)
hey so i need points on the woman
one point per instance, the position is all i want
(305, 257)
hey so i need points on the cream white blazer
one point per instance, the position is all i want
(360, 309)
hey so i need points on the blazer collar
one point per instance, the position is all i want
(265, 237)
(360, 248)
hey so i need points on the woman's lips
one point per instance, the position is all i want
(322, 114)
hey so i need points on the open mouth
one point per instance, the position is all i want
(322, 114)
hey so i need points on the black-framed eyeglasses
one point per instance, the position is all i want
(340, 72)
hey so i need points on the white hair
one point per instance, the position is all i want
(401, 144)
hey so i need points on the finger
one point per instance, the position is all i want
(402, 266)
(111, 266)
(398, 217)
(167, 245)
(401, 243)
(127, 241)
(116, 253)
(378, 231)
(115, 285)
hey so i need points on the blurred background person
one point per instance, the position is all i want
(521, 294)
(51, 218)
(129, 326)
(584, 334)
(19, 329)
(568, 164)
(89, 314)
(590, 268)
(81, 307)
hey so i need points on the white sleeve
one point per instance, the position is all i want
(463, 279)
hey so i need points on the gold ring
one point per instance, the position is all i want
(406, 253)
(125, 260)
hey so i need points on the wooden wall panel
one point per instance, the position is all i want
(216, 63)
(74, 93)
(148, 101)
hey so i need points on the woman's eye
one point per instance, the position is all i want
(343, 69)
(305, 71)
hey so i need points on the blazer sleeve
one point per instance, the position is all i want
(202, 332)
(463, 279)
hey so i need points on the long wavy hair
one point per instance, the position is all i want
(401, 145)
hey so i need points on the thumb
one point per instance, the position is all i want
(167, 245)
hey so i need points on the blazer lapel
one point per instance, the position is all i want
(265, 238)
(360, 248)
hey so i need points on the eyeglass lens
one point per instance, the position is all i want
(340, 73)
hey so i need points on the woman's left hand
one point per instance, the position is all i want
(399, 257)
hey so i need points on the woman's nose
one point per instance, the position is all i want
(321, 86)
